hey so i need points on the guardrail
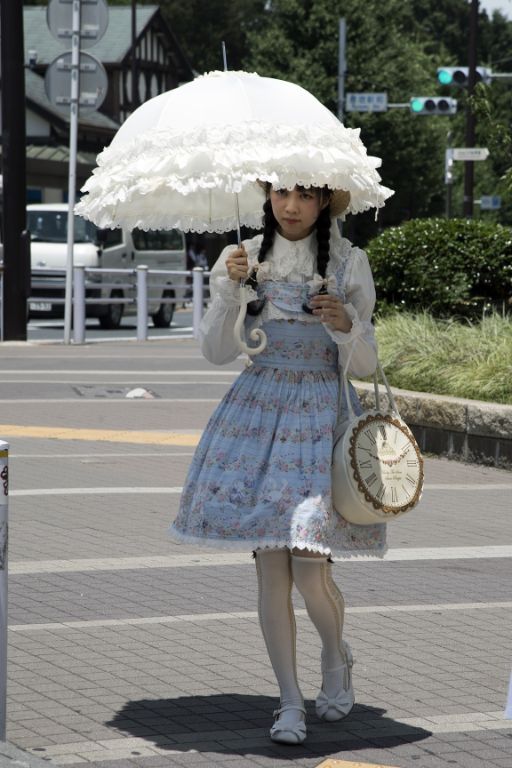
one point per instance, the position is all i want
(200, 293)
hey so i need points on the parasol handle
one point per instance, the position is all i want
(255, 335)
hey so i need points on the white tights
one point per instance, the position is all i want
(277, 570)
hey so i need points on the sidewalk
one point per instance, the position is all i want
(127, 650)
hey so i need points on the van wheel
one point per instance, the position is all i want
(163, 318)
(114, 314)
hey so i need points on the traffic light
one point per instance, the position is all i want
(459, 76)
(432, 105)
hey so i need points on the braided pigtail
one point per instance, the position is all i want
(323, 236)
(269, 230)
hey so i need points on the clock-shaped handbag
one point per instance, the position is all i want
(377, 467)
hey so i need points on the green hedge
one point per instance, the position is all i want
(448, 266)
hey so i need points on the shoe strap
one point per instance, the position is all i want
(287, 708)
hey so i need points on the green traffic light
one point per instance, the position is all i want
(444, 76)
(416, 105)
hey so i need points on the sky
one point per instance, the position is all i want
(505, 6)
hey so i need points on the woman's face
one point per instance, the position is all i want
(296, 210)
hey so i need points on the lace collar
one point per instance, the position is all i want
(289, 256)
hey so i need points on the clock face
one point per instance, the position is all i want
(387, 464)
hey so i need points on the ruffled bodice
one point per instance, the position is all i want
(348, 276)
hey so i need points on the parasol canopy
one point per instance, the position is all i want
(180, 158)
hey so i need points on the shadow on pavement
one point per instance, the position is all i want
(239, 724)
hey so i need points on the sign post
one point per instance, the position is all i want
(85, 25)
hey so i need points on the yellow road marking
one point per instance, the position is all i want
(349, 764)
(184, 439)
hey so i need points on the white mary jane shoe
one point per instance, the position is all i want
(288, 733)
(332, 708)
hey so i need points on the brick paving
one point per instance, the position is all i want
(191, 685)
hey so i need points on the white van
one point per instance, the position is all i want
(107, 248)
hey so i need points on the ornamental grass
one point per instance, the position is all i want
(447, 357)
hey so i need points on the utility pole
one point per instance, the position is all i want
(16, 242)
(470, 116)
(342, 66)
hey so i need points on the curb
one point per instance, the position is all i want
(470, 430)
(13, 757)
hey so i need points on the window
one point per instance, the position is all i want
(157, 240)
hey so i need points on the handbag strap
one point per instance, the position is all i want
(379, 370)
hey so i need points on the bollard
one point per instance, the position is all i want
(78, 304)
(4, 542)
(197, 298)
(142, 303)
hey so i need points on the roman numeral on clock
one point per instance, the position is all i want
(394, 495)
(366, 464)
(370, 437)
(371, 479)
(380, 492)
(410, 479)
(412, 462)
(382, 430)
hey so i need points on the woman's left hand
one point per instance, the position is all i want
(330, 310)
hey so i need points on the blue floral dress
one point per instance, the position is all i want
(261, 475)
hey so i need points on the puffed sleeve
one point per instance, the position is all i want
(216, 329)
(360, 303)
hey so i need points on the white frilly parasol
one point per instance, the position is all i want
(190, 158)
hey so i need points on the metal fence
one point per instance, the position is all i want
(146, 282)
(143, 285)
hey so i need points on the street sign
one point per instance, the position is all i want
(93, 83)
(470, 153)
(366, 102)
(93, 21)
(490, 202)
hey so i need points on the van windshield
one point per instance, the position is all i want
(52, 227)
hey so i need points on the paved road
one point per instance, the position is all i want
(127, 650)
(53, 330)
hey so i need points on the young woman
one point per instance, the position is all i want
(261, 476)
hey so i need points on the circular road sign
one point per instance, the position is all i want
(93, 83)
(93, 21)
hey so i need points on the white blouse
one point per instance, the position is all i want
(295, 261)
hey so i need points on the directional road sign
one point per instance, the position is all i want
(490, 202)
(366, 102)
(470, 153)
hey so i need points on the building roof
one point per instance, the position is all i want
(35, 93)
(113, 47)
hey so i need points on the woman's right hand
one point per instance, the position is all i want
(237, 264)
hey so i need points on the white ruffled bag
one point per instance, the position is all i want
(377, 467)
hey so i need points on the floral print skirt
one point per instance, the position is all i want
(261, 474)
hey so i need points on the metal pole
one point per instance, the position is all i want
(134, 94)
(197, 298)
(1, 303)
(79, 304)
(469, 165)
(16, 264)
(142, 303)
(73, 134)
(4, 546)
(448, 174)
(342, 66)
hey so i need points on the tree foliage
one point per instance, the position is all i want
(392, 46)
